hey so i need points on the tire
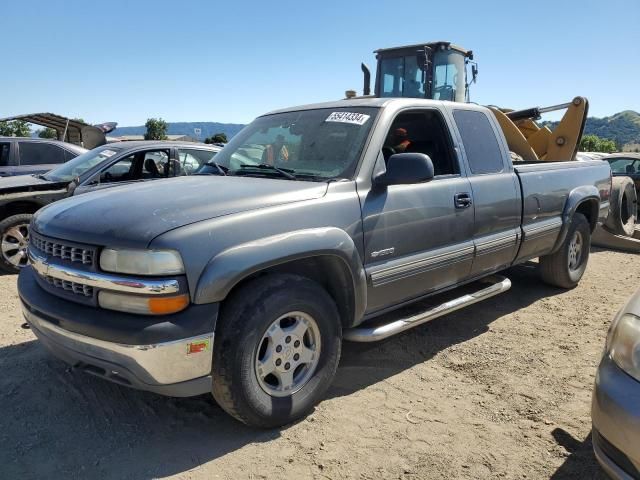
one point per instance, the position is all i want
(251, 322)
(564, 268)
(623, 208)
(14, 239)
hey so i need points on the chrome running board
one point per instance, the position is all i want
(499, 284)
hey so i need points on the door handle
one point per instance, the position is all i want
(462, 200)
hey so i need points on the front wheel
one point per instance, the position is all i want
(276, 350)
(565, 267)
(14, 238)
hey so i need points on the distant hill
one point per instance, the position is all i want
(623, 128)
(185, 128)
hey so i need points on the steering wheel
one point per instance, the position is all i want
(387, 152)
(445, 92)
(107, 177)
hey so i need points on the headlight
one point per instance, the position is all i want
(623, 344)
(143, 305)
(141, 262)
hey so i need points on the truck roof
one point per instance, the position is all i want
(161, 143)
(377, 102)
(69, 146)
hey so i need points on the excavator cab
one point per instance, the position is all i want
(440, 71)
(436, 70)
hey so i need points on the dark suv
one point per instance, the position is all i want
(24, 156)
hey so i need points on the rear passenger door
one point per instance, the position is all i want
(38, 157)
(495, 191)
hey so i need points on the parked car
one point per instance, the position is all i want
(103, 167)
(615, 409)
(625, 165)
(244, 285)
(24, 156)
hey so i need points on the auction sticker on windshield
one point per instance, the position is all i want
(353, 118)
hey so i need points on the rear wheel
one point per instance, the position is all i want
(276, 350)
(14, 238)
(565, 267)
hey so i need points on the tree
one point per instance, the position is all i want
(21, 128)
(156, 129)
(217, 138)
(6, 130)
(16, 128)
(47, 133)
(593, 143)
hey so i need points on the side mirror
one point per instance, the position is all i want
(406, 168)
(73, 184)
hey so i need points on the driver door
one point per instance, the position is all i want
(418, 238)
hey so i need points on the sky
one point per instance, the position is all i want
(126, 61)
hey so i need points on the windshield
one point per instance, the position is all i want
(402, 77)
(628, 166)
(316, 144)
(76, 167)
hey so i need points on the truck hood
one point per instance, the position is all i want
(132, 216)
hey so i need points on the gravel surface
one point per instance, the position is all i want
(499, 390)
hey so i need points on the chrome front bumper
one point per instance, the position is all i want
(176, 368)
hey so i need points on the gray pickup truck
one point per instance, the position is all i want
(314, 223)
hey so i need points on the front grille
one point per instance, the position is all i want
(59, 249)
(77, 288)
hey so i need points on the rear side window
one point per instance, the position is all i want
(4, 154)
(191, 160)
(32, 153)
(69, 155)
(480, 142)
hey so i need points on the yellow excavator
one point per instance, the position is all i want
(440, 71)
(444, 71)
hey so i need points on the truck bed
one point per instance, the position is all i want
(545, 188)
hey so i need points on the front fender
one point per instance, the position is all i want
(229, 267)
(578, 196)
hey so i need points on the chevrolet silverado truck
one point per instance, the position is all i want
(312, 225)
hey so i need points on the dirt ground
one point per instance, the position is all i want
(501, 389)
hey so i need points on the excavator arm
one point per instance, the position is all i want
(533, 142)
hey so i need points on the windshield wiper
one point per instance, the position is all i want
(285, 172)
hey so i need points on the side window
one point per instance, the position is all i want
(36, 153)
(190, 161)
(422, 131)
(5, 148)
(121, 171)
(155, 164)
(69, 155)
(480, 142)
